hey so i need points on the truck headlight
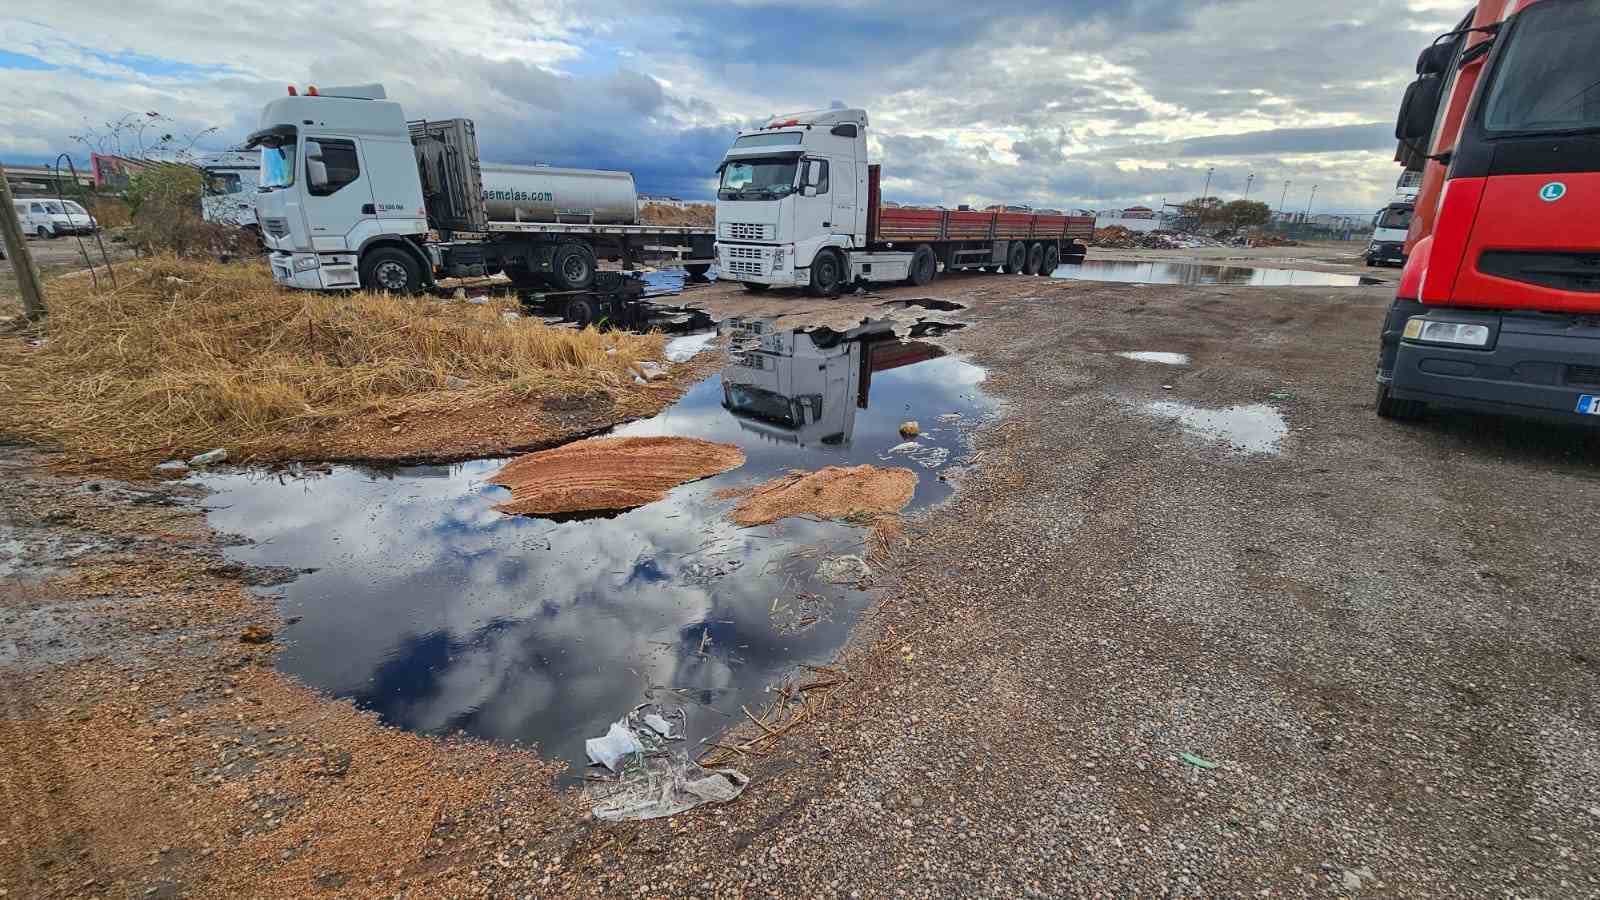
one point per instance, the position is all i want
(1428, 332)
(305, 263)
(777, 259)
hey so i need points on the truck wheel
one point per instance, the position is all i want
(1052, 260)
(924, 266)
(1035, 259)
(572, 267)
(390, 269)
(1016, 258)
(579, 312)
(698, 270)
(1391, 407)
(755, 287)
(827, 273)
(45, 233)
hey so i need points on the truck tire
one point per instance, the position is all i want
(45, 233)
(1391, 407)
(697, 270)
(580, 312)
(924, 266)
(390, 269)
(754, 287)
(1035, 259)
(1016, 257)
(572, 267)
(827, 273)
(1052, 260)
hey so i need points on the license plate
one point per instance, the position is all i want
(1589, 405)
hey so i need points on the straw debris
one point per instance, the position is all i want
(835, 492)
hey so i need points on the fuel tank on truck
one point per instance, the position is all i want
(546, 194)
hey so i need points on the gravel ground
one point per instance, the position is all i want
(1391, 662)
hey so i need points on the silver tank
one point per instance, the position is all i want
(545, 194)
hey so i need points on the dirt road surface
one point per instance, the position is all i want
(1137, 654)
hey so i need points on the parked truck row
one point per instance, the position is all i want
(1498, 307)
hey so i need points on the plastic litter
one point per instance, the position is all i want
(1199, 762)
(210, 456)
(844, 570)
(652, 780)
(683, 349)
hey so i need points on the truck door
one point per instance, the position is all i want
(844, 196)
(813, 212)
(339, 207)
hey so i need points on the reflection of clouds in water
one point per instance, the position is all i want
(440, 613)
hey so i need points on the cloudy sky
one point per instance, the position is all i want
(1091, 103)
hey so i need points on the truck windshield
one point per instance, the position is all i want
(1395, 217)
(277, 166)
(756, 403)
(758, 179)
(1549, 76)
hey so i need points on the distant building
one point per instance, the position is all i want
(663, 200)
(111, 172)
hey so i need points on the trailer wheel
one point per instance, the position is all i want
(572, 267)
(579, 312)
(1016, 258)
(1052, 260)
(1391, 407)
(827, 273)
(924, 266)
(754, 287)
(390, 269)
(1035, 259)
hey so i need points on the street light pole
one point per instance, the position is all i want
(1284, 199)
(1248, 182)
(1311, 201)
(1205, 193)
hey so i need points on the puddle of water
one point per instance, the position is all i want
(1151, 356)
(1132, 272)
(441, 614)
(1256, 428)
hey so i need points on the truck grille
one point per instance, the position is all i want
(745, 260)
(1562, 271)
(1588, 376)
(742, 231)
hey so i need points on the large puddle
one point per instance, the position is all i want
(426, 605)
(1132, 272)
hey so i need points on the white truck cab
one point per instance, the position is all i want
(789, 190)
(228, 187)
(338, 179)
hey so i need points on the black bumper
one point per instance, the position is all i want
(1386, 253)
(1536, 366)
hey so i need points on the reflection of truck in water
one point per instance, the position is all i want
(804, 387)
(228, 187)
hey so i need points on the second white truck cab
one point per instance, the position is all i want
(798, 205)
(1389, 228)
(228, 187)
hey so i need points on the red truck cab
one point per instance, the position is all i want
(1498, 308)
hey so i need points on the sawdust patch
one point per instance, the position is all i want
(835, 492)
(605, 474)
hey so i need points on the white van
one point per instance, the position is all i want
(51, 218)
(230, 180)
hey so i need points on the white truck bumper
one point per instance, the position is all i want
(310, 272)
(757, 264)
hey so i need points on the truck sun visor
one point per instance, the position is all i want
(276, 136)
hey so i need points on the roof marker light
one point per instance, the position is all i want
(293, 92)
(311, 90)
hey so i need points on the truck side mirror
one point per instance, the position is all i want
(1419, 109)
(809, 190)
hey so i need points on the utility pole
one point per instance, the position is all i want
(21, 260)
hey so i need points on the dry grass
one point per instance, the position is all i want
(695, 214)
(190, 355)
